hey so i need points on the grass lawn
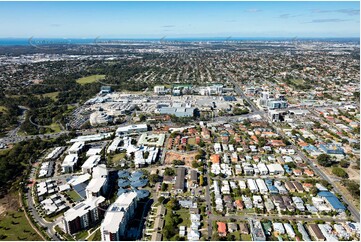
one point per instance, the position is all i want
(89, 79)
(81, 235)
(64, 235)
(4, 151)
(55, 128)
(246, 237)
(74, 195)
(14, 226)
(117, 157)
(237, 235)
(95, 236)
(52, 95)
(298, 81)
(192, 141)
(184, 214)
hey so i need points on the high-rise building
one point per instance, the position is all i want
(83, 215)
(113, 227)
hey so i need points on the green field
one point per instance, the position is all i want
(90, 79)
(118, 157)
(74, 196)
(52, 95)
(14, 226)
(95, 236)
(184, 214)
(55, 127)
(246, 237)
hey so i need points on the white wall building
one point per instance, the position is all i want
(114, 225)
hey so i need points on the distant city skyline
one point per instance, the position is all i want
(179, 19)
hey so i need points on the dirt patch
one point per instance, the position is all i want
(353, 174)
(9, 202)
(187, 157)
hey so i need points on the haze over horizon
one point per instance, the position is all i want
(179, 19)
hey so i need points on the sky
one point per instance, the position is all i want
(178, 19)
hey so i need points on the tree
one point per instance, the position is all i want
(153, 178)
(164, 187)
(201, 180)
(161, 199)
(339, 172)
(195, 164)
(324, 160)
(169, 171)
(313, 191)
(344, 163)
(178, 163)
(172, 204)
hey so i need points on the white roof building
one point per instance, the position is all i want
(117, 216)
(275, 169)
(326, 230)
(262, 168)
(242, 184)
(91, 162)
(94, 151)
(262, 186)
(278, 227)
(80, 210)
(98, 184)
(289, 230)
(252, 185)
(135, 128)
(114, 145)
(69, 163)
(76, 148)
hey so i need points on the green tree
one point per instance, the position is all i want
(344, 163)
(201, 180)
(153, 178)
(195, 164)
(169, 171)
(339, 172)
(161, 199)
(324, 160)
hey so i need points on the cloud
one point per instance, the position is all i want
(168, 26)
(328, 20)
(287, 15)
(349, 11)
(253, 10)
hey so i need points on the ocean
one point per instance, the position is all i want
(55, 41)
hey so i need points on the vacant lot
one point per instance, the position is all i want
(13, 223)
(187, 157)
(90, 79)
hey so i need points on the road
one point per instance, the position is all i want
(354, 211)
(209, 206)
(261, 216)
(34, 213)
